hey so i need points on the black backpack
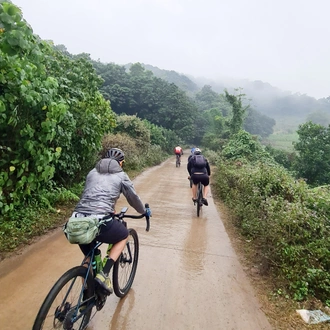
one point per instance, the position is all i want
(199, 161)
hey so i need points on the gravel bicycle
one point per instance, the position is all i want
(70, 302)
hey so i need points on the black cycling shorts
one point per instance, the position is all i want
(111, 232)
(202, 178)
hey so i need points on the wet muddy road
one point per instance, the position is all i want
(188, 275)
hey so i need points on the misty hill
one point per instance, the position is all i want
(284, 106)
(181, 80)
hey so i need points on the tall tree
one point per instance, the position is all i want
(236, 122)
(313, 147)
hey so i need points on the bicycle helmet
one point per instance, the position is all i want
(197, 151)
(116, 154)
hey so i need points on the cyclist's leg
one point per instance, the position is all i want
(195, 180)
(194, 190)
(206, 190)
(114, 232)
(206, 184)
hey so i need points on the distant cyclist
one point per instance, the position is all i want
(199, 171)
(178, 152)
(191, 153)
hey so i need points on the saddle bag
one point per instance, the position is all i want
(82, 230)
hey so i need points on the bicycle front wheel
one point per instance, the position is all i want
(61, 309)
(124, 268)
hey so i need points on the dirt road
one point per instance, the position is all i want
(188, 275)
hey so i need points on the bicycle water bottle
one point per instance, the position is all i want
(97, 262)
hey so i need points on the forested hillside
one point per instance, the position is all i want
(287, 108)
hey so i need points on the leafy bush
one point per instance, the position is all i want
(125, 143)
(243, 145)
(212, 156)
(282, 157)
(286, 220)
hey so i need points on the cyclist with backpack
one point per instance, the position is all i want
(199, 171)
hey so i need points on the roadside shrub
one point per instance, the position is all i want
(212, 156)
(285, 219)
(136, 129)
(135, 157)
(243, 145)
(154, 156)
(282, 157)
(128, 145)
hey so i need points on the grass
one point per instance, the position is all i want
(282, 141)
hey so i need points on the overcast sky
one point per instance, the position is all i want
(283, 42)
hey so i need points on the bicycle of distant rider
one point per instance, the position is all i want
(178, 160)
(70, 302)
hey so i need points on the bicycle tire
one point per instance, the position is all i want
(65, 288)
(199, 198)
(124, 269)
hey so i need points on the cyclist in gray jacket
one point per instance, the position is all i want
(103, 187)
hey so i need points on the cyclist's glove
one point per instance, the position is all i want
(148, 212)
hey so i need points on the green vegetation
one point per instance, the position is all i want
(286, 221)
(313, 147)
(54, 123)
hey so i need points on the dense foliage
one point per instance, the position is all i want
(50, 108)
(243, 146)
(258, 124)
(285, 220)
(139, 92)
(313, 159)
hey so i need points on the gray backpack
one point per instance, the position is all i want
(199, 161)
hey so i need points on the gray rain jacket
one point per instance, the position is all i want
(103, 186)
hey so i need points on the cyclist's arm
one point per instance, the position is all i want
(132, 198)
(208, 168)
(189, 167)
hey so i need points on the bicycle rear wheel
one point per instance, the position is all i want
(60, 309)
(199, 198)
(124, 268)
